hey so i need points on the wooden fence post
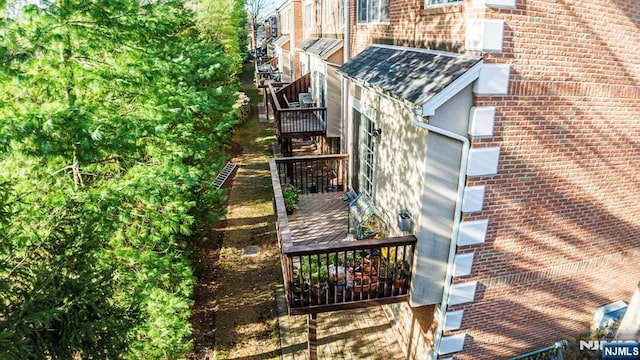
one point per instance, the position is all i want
(312, 336)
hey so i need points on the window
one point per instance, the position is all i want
(364, 150)
(308, 14)
(368, 156)
(342, 13)
(435, 3)
(319, 87)
(329, 7)
(373, 11)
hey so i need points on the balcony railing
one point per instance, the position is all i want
(323, 271)
(348, 274)
(293, 117)
(313, 174)
(268, 71)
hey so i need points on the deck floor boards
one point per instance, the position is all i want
(320, 218)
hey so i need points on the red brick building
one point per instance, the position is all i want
(537, 224)
(562, 234)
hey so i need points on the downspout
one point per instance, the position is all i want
(456, 219)
(347, 31)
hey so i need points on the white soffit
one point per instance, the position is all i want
(429, 108)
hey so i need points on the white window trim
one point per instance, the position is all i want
(329, 16)
(367, 115)
(448, 4)
(376, 22)
(308, 17)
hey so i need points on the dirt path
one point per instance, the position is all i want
(234, 313)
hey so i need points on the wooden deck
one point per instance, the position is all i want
(323, 270)
(320, 219)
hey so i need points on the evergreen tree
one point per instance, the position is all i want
(225, 21)
(113, 119)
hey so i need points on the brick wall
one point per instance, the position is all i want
(414, 327)
(564, 237)
(564, 231)
(411, 25)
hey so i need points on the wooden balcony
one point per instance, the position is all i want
(294, 116)
(323, 268)
(268, 71)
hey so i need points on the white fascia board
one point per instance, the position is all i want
(429, 108)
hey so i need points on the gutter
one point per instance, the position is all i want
(456, 219)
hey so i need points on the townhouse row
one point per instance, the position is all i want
(483, 153)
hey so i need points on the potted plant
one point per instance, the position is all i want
(401, 276)
(291, 196)
(314, 276)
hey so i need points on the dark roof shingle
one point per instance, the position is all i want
(413, 74)
(322, 47)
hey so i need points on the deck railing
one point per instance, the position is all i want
(292, 118)
(313, 174)
(299, 85)
(335, 275)
(273, 62)
(346, 275)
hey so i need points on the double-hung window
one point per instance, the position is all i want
(373, 11)
(308, 17)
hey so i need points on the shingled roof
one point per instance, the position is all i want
(322, 47)
(417, 75)
(280, 41)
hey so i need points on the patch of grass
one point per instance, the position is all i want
(245, 316)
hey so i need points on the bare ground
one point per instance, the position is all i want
(234, 311)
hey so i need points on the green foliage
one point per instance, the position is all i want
(225, 21)
(113, 118)
(291, 196)
(313, 269)
(58, 296)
